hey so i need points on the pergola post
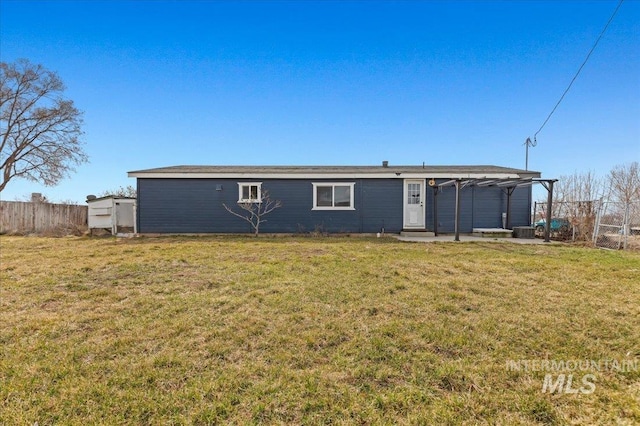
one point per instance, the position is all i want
(457, 219)
(435, 211)
(547, 224)
(509, 192)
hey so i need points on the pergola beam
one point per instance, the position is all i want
(448, 183)
(487, 182)
(508, 183)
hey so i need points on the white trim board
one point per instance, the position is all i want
(156, 175)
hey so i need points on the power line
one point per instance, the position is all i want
(578, 73)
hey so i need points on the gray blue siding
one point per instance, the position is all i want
(196, 206)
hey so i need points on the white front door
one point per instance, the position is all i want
(414, 205)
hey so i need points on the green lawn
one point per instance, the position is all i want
(312, 331)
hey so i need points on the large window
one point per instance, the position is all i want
(249, 192)
(333, 196)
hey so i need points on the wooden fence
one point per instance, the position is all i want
(17, 217)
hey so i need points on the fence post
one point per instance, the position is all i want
(596, 225)
(626, 226)
(33, 217)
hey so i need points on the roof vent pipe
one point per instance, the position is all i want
(385, 164)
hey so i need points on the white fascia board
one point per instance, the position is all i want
(393, 175)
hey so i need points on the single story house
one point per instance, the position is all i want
(334, 199)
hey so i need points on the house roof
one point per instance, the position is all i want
(319, 172)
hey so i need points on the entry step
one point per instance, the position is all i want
(417, 233)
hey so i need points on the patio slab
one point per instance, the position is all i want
(468, 238)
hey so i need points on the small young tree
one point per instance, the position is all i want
(254, 212)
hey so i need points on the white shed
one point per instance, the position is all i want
(112, 213)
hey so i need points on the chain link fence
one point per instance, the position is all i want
(571, 220)
(607, 224)
(618, 226)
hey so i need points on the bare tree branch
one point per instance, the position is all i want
(254, 212)
(40, 130)
(128, 191)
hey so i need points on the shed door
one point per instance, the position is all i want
(414, 207)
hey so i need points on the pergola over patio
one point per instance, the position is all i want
(508, 185)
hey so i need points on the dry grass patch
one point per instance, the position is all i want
(285, 330)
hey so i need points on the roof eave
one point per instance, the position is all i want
(331, 175)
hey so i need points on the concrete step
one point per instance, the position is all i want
(417, 233)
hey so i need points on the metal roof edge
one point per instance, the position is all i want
(106, 197)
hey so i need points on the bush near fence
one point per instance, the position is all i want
(18, 217)
(581, 216)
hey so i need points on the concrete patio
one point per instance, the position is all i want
(467, 238)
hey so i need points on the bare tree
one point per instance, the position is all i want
(128, 191)
(625, 191)
(578, 187)
(625, 182)
(254, 212)
(39, 129)
(575, 199)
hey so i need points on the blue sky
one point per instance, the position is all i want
(334, 83)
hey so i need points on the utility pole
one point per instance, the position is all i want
(528, 143)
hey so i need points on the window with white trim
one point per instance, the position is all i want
(249, 192)
(333, 196)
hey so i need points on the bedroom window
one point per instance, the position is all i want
(249, 192)
(333, 196)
